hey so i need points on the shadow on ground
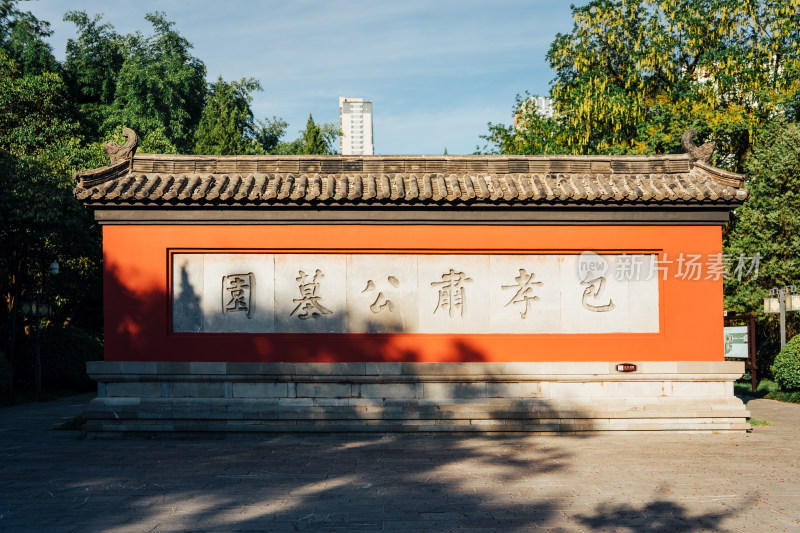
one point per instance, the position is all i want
(53, 481)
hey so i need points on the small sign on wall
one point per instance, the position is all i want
(736, 342)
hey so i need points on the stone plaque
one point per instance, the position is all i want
(238, 293)
(310, 293)
(525, 294)
(414, 293)
(453, 293)
(381, 293)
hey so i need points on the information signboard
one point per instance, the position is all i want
(736, 342)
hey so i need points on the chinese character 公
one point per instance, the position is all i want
(381, 301)
(237, 293)
(309, 303)
(524, 288)
(451, 292)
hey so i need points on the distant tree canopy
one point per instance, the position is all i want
(768, 225)
(227, 125)
(54, 119)
(633, 75)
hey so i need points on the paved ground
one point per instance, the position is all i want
(54, 481)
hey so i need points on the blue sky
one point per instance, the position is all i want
(436, 70)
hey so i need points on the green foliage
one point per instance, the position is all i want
(21, 36)
(764, 388)
(54, 120)
(34, 116)
(93, 59)
(313, 141)
(786, 367)
(768, 224)
(633, 75)
(758, 422)
(160, 85)
(318, 139)
(268, 133)
(783, 396)
(92, 63)
(532, 133)
(227, 126)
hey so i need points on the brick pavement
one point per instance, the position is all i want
(54, 481)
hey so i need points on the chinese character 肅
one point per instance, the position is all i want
(451, 293)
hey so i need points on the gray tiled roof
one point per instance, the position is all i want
(268, 180)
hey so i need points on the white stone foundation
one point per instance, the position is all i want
(238, 399)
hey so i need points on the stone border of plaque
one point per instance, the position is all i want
(412, 293)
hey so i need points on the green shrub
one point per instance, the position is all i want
(786, 367)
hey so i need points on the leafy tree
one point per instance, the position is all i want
(39, 218)
(160, 85)
(227, 125)
(532, 133)
(318, 139)
(93, 59)
(768, 225)
(269, 132)
(90, 69)
(633, 75)
(35, 119)
(294, 147)
(22, 36)
(313, 140)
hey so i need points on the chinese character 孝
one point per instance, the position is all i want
(451, 293)
(309, 302)
(237, 293)
(594, 287)
(524, 288)
(381, 302)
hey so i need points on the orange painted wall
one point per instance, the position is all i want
(137, 306)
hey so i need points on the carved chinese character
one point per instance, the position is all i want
(524, 289)
(237, 293)
(309, 302)
(451, 293)
(381, 301)
(593, 289)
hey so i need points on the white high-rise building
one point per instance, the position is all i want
(355, 120)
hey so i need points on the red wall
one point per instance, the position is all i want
(137, 306)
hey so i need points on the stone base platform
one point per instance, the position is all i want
(239, 399)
